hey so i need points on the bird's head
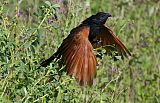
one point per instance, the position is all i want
(100, 18)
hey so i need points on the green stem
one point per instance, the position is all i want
(31, 34)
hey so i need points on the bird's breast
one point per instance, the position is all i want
(94, 31)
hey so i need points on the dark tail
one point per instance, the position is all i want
(47, 61)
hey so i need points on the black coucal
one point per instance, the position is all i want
(76, 51)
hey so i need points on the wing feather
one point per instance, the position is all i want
(107, 37)
(73, 62)
(78, 56)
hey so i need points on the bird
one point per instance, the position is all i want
(77, 49)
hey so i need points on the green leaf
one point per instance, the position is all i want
(27, 45)
(53, 11)
(48, 3)
(56, 6)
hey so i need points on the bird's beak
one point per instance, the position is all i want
(109, 15)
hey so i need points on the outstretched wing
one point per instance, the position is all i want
(107, 37)
(77, 53)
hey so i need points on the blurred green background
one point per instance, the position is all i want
(32, 30)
